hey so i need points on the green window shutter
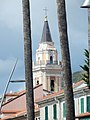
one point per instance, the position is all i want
(82, 105)
(54, 112)
(64, 110)
(46, 113)
(88, 104)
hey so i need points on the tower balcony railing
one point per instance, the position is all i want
(52, 62)
(48, 62)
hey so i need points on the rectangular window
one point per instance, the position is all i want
(88, 104)
(46, 113)
(64, 110)
(55, 112)
(82, 105)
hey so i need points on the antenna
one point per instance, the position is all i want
(11, 74)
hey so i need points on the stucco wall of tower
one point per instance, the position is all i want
(44, 52)
(56, 84)
(38, 76)
(44, 74)
(45, 82)
(48, 79)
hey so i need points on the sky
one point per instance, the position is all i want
(11, 35)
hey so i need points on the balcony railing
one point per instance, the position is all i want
(46, 63)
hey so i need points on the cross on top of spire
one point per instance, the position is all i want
(46, 35)
(46, 10)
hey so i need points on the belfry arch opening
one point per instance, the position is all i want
(51, 59)
(52, 85)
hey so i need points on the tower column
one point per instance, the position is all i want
(56, 83)
(48, 79)
(45, 86)
(59, 83)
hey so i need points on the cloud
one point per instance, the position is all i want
(10, 13)
(11, 33)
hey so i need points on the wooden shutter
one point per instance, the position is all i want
(82, 105)
(88, 104)
(46, 113)
(54, 112)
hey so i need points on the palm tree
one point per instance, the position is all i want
(85, 67)
(68, 91)
(28, 60)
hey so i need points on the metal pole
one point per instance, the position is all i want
(89, 39)
(11, 74)
(14, 81)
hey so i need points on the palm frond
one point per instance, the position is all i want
(85, 67)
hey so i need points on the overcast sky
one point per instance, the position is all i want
(11, 34)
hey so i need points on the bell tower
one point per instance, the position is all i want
(47, 68)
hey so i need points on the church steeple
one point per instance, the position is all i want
(46, 70)
(46, 35)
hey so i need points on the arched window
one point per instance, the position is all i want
(37, 82)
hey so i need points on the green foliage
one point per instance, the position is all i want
(85, 67)
(77, 76)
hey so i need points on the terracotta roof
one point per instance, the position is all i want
(83, 115)
(44, 97)
(9, 112)
(50, 95)
(20, 93)
(8, 117)
(6, 102)
(24, 91)
(78, 83)
(11, 94)
(58, 93)
(21, 113)
(16, 113)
